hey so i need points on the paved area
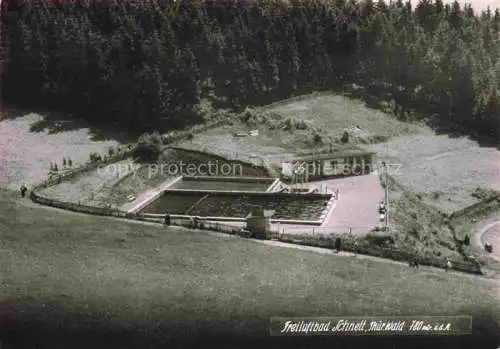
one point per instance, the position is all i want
(357, 206)
(356, 210)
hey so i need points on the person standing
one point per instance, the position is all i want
(23, 190)
(448, 265)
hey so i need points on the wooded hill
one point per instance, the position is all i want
(144, 62)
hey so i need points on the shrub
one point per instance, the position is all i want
(379, 239)
(338, 244)
(379, 139)
(414, 229)
(300, 125)
(467, 240)
(484, 194)
(317, 138)
(148, 148)
(345, 137)
(287, 125)
(111, 151)
(248, 116)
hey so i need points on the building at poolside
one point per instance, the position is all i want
(324, 165)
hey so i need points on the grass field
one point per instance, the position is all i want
(326, 115)
(336, 113)
(27, 147)
(445, 170)
(76, 276)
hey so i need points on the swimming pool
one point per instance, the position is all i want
(239, 205)
(239, 185)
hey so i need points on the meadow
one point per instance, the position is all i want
(95, 282)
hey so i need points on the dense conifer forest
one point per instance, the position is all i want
(141, 63)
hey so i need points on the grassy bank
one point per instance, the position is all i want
(74, 274)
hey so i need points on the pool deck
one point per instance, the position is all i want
(356, 210)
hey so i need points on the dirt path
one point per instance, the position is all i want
(29, 204)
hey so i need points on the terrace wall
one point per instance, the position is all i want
(228, 178)
(475, 207)
(224, 154)
(270, 195)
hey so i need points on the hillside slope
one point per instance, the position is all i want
(96, 281)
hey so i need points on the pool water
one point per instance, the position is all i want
(174, 204)
(237, 205)
(221, 185)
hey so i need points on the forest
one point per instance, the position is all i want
(148, 63)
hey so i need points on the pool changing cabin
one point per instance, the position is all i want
(335, 164)
(259, 221)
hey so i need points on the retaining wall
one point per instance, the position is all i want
(244, 192)
(329, 207)
(232, 156)
(474, 207)
(229, 179)
(100, 211)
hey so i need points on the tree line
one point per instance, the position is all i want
(150, 62)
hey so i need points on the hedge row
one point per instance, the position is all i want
(362, 247)
(474, 207)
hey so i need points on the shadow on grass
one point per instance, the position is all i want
(440, 125)
(33, 326)
(54, 122)
(485, 141)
